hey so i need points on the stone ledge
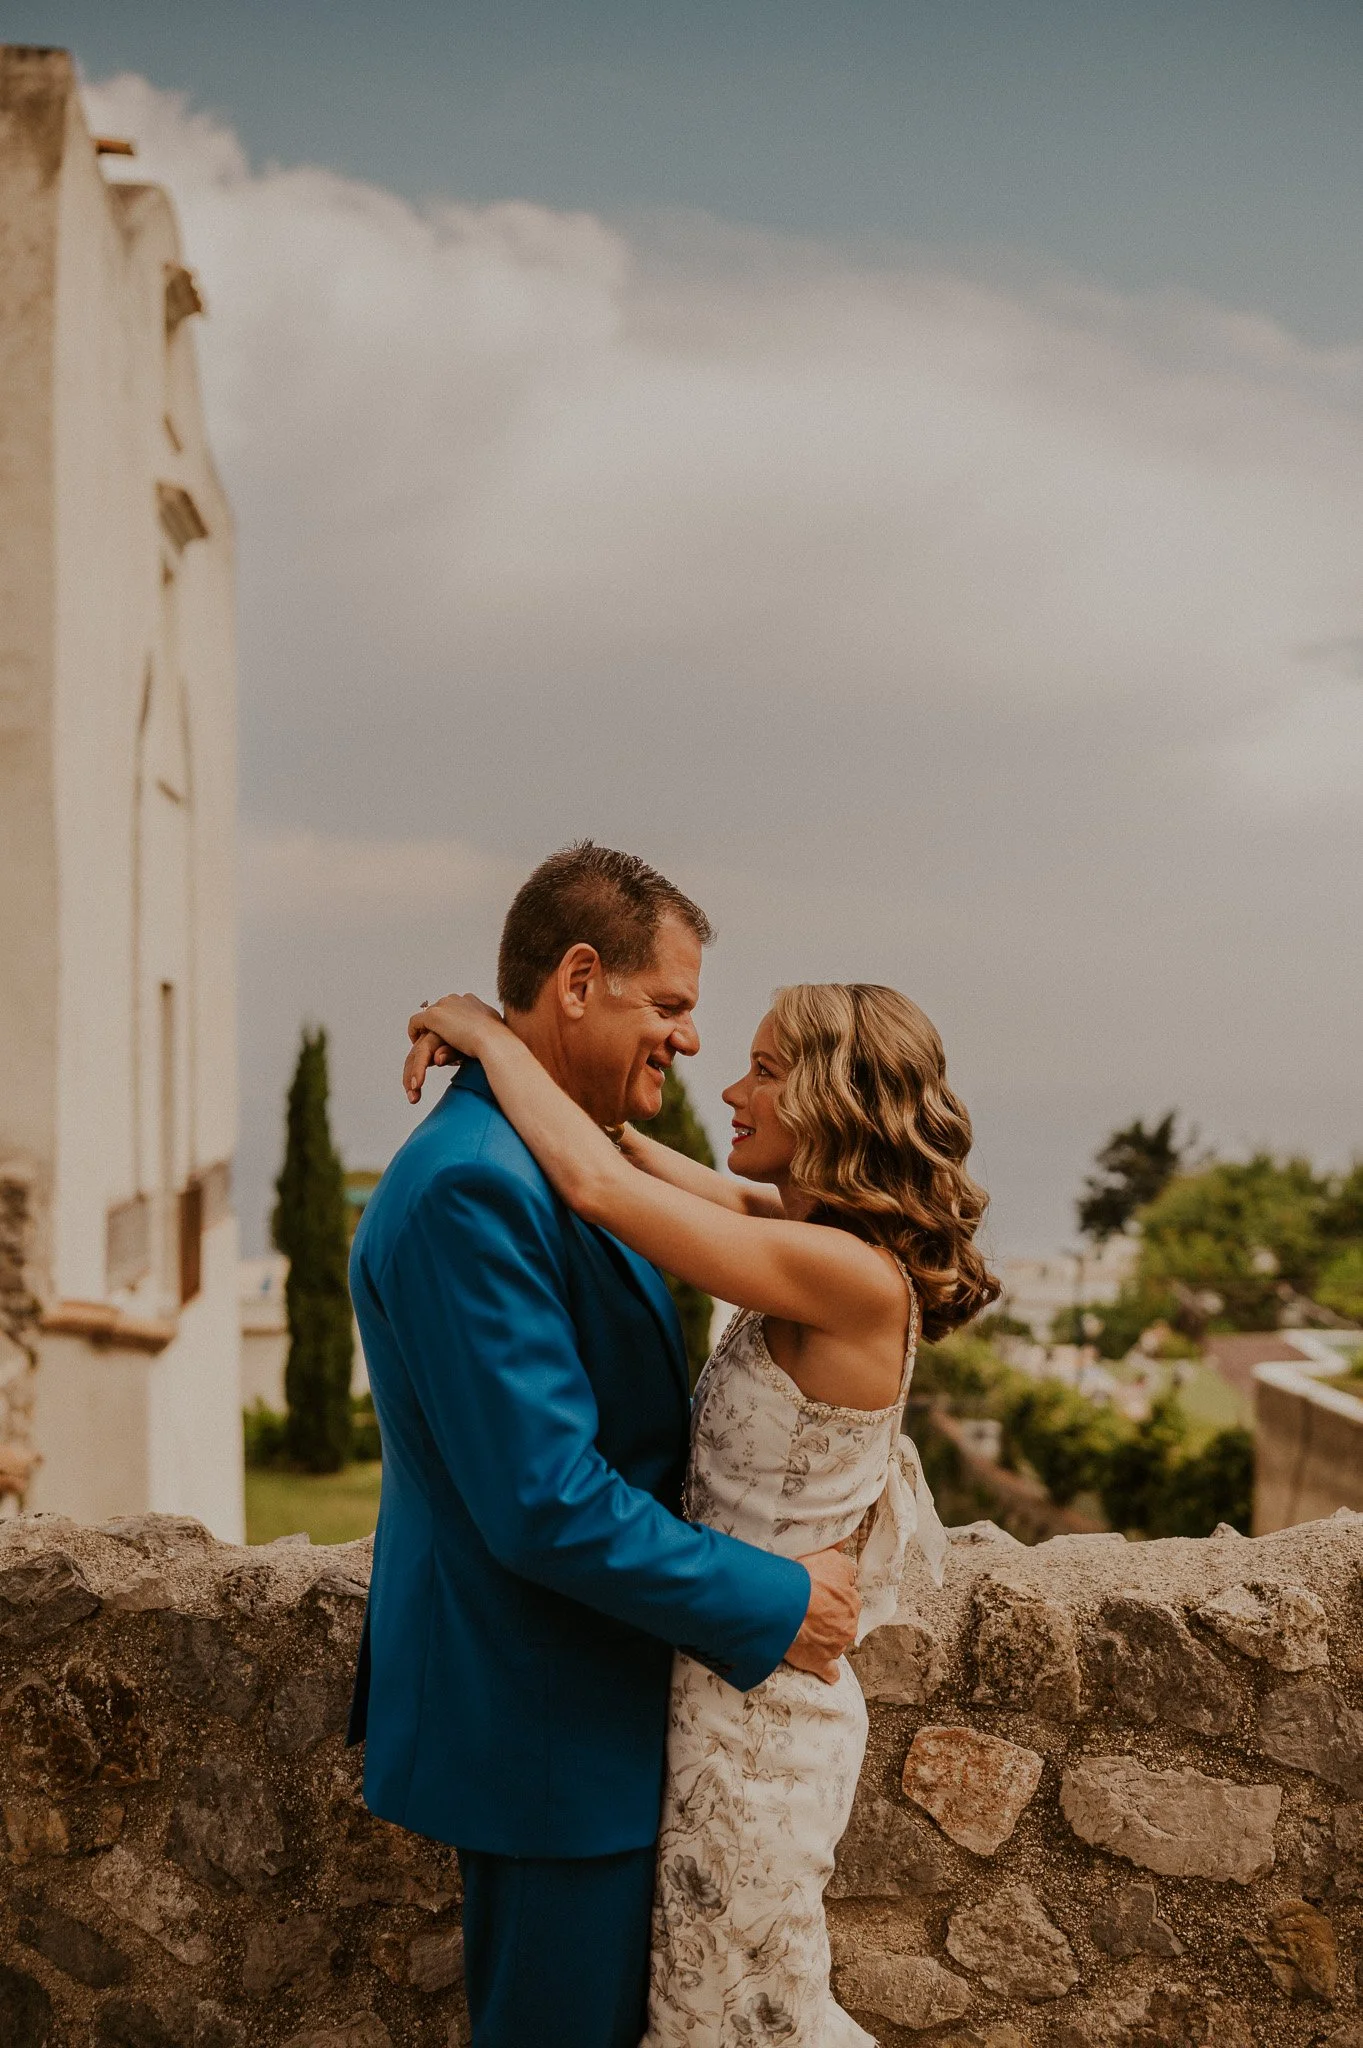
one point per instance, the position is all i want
(1134, 1815)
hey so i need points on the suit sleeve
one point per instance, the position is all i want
(476, 1293)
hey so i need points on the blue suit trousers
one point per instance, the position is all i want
(556, 1949)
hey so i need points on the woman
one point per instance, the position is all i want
(850, 1228)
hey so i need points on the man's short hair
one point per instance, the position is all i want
(587, 895)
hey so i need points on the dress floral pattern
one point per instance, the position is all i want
(760, 1784)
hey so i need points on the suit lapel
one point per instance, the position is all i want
(645, 1279)
(649, 1284)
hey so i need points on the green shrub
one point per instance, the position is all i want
(365, 1444)
(1215, 1484)
(962, 1370)
(1067, 1440)
(1340, 1286)
(1135, 1477)
(265, 1436)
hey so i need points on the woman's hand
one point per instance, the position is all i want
(440, 1031)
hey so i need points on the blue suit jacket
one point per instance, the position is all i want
(531, 1574)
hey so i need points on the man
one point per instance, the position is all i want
(532, 1574)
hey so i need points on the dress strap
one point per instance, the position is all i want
(911, 1342)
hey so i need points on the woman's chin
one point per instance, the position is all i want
(737, 1163)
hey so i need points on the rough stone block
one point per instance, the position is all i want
(1297, 1947)
(156, 1900)
(908, 1991)
(1280, 1625)
(133, 2023)
(974, 1786)
(226, 1832)
(216, 2028)
(1176, 1823)
(1098, 2022)
(901, 1664)
(69, 1944)
(159, 1536)
(25, 2010)
(1012, 1945)
(362, 2030)
(1153, 1669)
(1024, 1651)
(1311, 1727)
(1128, 1924)
(381, 1865)
(308, 1706)
(44, 1730)
(129, 1753)
(43, 1596)
(888, 1853)
(435, 1961)
(1188, 2016)
(1329, 1859)
(35, 1828)
(294, 1950)
(203, 1664)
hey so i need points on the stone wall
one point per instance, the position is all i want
(1308, 1443)
(1113, 1798)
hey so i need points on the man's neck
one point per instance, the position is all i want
(537, 1033)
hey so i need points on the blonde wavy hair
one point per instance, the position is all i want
(881, 1140)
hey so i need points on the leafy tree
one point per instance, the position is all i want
(962, 1370)
(309, 1228)
(1067, 1440)
(1134, 1166)
(677, 1125)
(998, 1323)
(1240, 1231)
(1342, 1215)
(1340, 1286)
(1135, 1479)
(1215, 1484)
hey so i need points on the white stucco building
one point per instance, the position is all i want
(1036, 1291)
(118, 1246)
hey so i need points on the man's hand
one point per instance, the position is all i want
(830, 1623)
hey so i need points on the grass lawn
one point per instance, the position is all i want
(333, 1507)
(1210, 1404)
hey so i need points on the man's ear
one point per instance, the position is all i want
(577, 970)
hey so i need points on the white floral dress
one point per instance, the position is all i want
(760, 1784)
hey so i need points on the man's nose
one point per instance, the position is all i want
(685, 1038)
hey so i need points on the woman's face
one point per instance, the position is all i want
(762, 1147)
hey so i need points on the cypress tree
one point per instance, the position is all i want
(309, 1228)
(677, 1125)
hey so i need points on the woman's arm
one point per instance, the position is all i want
(662, 1163)
(800, 1272)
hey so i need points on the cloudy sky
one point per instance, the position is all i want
(902, 474)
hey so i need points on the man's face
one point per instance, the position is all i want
(632, 1026)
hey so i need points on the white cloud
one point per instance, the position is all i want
(287, 876)
(963, 620)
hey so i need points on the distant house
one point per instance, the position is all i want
(265, 1322)
(264, 1330)
(1036, 1291)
